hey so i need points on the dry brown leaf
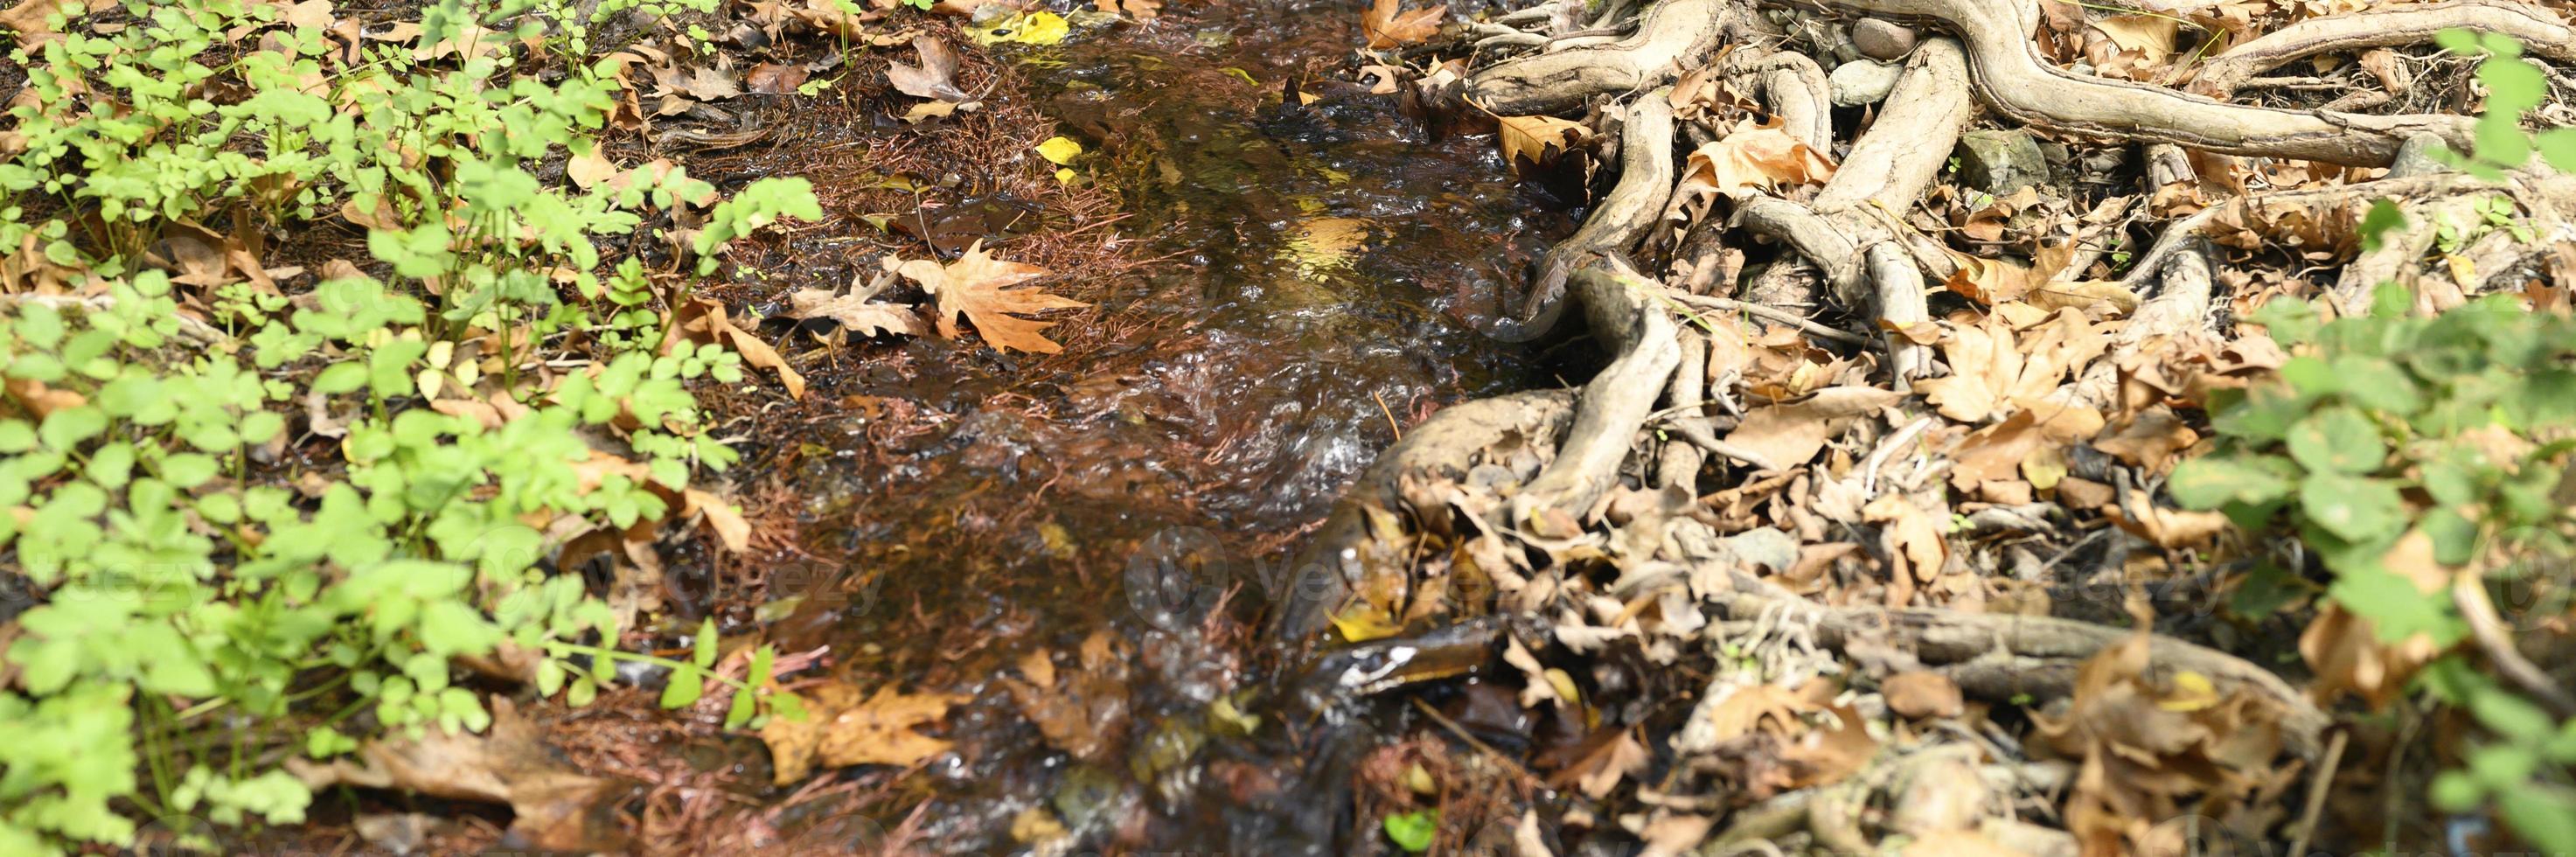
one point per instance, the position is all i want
(935, 78)
(553, 807)
(722, 517)
(856, 314)
(2084, 294)
(310, 13)
(1089, 712)
(1828, 754)
(2150, 35)
(2150, 439)
(1537, 138)
(27, 20)
(590, 168)
(841, 729)
(1387, 25)
(1921, 694)
(1994, 367)
(701, 321)
(1142, 10)
(1789, 434)
(1752, 158)
(1761, 707)
(1912, 538)
(1995, 281)
(982, 289)
(771, 78)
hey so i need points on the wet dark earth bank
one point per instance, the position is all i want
(1085, 547)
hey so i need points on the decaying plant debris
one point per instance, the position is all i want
(1888, 408)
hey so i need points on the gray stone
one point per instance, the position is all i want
(1863, 82)
(1882, 40)
(2000, 162)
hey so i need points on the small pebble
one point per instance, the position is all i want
(1881, 40)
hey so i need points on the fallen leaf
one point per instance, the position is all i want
(1760, 707)
(1387, 25)
(982, 289)
(1538, 137)
(1789, 434)
(1828, 755)
(770, 78)
(590, 168)
(1912, 537)
(552, 807)
(1955, 843)
(1994, 367)
(702, 321)
(1142, 10)
(935, 78)
(1752, 158)
(855, 313)
(1994, 281)
(722, 517)
(2150, 35)
(1921, 694)
(841, 729)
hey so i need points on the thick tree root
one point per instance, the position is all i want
(1616, 224)
(1675, 35)
(1616, 402)
(2010, 77)
(2537, 29)
(1340, 555)
(2002, 657)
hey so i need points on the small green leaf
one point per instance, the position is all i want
(2212, 481)
(702, 651)
(2353, 508)
(685, 687)
(2384, 217)
(1413, 831)
(2337, 439)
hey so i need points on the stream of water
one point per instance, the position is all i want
(1324, 254)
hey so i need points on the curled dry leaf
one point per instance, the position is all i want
(1994, 367)
(935, 78)
(1142, 10)
(983, 290)
(1922, 694)
(1788, 434)
(771, 78)
(702, 321)
(842, 728)
(856, 313)
(1537, 138)
(553, 807)
(1387, 25)
(1752, 158)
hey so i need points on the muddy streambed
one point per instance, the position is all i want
(1127, 516)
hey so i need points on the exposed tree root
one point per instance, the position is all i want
(1326, 572)
(2539, 30)
(2001, 656)
(1615, 404)
(2011, 78)
(1674, 36)
(1615, 225)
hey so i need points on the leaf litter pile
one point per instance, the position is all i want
(1884, 526)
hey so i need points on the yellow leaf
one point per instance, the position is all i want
(1538, 137)
(1364, 622)
(1059, 150)
(2191, 692)
(1034, 28)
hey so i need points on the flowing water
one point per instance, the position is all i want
(1132, 516)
